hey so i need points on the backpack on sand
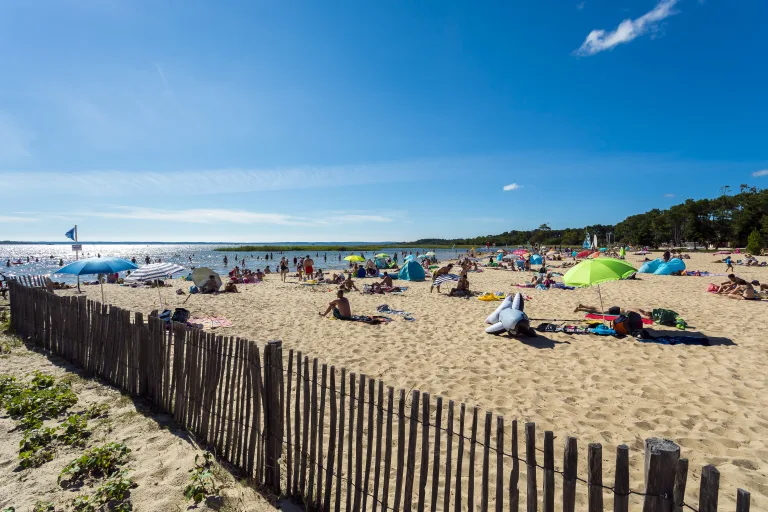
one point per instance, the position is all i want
(628, 323)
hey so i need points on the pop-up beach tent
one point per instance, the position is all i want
(411, 271)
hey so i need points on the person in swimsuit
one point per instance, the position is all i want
(309, 265)
(283, 269)
(440, 272)
(340, 307)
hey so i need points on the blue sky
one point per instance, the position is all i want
(347, 120)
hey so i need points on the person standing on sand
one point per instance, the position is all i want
(309, 269)
(283, 268)
(728, 263)
(440, 272)
(340, 307)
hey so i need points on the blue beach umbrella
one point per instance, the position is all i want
(97, 266)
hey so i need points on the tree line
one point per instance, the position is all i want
(736, 219)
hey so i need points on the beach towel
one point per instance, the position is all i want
(444, 279)
(673, 340)
(561, 286)
(610, 318)
(566, 329)
(489, 297)
(211, 322)
(384, 308)
(370, 320)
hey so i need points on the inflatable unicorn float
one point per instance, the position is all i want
(510, 317)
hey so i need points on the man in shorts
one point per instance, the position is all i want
(309, 264)
(340, 307)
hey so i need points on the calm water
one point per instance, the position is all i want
(44, 259)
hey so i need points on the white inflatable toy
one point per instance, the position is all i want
(509, 317)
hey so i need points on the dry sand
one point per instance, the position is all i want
(161, 455)
(711, 400)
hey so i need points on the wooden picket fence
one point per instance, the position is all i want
(334, 440)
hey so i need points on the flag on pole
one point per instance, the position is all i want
(70, 234)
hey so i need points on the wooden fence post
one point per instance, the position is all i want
(742, 501)
(272, 428)
(661, 456)
(681, 478)
(621, 481)
(595, 489)
(570, 465)
(710, 484)
(530, 461)
(548, 496)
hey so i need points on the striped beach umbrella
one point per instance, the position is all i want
(155, 271)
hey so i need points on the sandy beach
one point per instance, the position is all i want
(712, 400)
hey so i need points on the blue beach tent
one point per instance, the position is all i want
(411, 271)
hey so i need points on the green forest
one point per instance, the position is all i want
(736, 218)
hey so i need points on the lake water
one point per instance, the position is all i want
(44, 258)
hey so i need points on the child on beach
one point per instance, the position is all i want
(728, 263)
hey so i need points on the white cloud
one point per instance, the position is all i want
(202, 182)
(360, 218)
(512, 186)
(222, 216)
(599, 40)
(757, 174)
(580, 5)
(669, 195)
(10, 218)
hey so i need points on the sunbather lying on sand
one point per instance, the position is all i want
(591, 309)
(340, 307)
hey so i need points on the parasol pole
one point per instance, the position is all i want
(101, 284)
(77, 257)
(602, 309)
(157, 285)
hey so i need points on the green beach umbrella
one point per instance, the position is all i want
(382, 255)
(354, 257)
(595, 271)
(430, 253)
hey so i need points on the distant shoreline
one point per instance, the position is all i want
(334, 247)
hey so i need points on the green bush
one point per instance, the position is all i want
(95, 462)
(754, 243)
(42, 399)
(201, 484)
(113, 495)
(74, 431)
(44, 506)
(35, 448)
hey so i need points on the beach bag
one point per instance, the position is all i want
(628, 323)
(180, 315)
(664, 316)
(165, 316)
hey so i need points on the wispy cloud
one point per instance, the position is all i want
(353, 217)
(757, 174)
(512, 186)
(600, 40)
(217, 216)
(669, 195)
(204, 182)
(580, 5)
(10, 218)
